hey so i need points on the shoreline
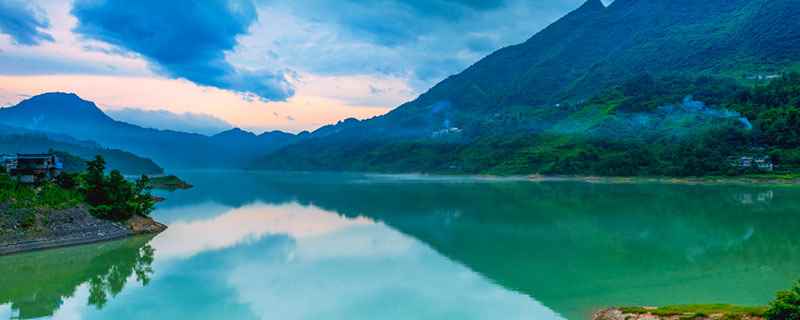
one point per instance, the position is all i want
(744, 180)
(74, 227)
(685, 312)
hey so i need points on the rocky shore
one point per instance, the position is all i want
(700, 312)
(23, 230)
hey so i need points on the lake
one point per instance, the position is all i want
(244, 245)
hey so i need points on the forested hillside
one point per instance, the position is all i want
(636, 88)
(74, 154)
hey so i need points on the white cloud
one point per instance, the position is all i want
(166, 120)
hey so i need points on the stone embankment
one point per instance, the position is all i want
(24, 230)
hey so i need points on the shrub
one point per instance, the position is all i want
(112, 197)
(786, 305)
(67, 180)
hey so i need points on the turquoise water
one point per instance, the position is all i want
(347, 246)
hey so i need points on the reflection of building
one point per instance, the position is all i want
(763, 163)
(749, 198)
(32, 168)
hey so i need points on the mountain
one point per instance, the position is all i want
(542, 105)
(68, 114)
(243, 146)
(73, 152)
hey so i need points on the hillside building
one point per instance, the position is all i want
(33, 168)
(762, 163)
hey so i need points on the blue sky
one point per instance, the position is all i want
(257, 64)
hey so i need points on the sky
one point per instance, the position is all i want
(261, 65)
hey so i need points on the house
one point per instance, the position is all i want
(34, 168)
(8, 162)
(763, 163)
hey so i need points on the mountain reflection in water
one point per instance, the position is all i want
(245, 245)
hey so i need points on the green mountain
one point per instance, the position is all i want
(638, 87)
(73, 152)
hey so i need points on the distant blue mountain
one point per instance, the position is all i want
(17, 140)
(67, 114)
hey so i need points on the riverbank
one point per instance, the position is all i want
(765, 179)
(27, 229)
(689, 312)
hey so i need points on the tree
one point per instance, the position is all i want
(144, 200)
(95, 181)
(122, 200)
(786, 305)
(113, 197)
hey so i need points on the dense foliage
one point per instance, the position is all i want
(775, 109)
(786, 305)
(111, 196)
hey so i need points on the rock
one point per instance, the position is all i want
(145, 225)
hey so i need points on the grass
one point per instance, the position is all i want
(700, 311)
(38, 200)
(48, 196)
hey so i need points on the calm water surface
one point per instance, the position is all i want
(346, 246)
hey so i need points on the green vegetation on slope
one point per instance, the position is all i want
(786, 306)
(123, 161)
(109, 197)
(50, 196)
(648, 126)
(559, 102)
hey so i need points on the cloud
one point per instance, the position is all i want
(184, 39)
(165, 120)
(23, 22)
(421, 41)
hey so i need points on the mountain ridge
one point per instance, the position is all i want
(506, 102)
(58, 113)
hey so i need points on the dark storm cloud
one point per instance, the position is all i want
(183, 39)
(23, 22)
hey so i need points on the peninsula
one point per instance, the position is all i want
(43, 208)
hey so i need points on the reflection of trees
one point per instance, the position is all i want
(37, 283)
(572, 246)
(112, 282)
(575, 247)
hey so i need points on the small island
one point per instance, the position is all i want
(43, 208)
(169, 183)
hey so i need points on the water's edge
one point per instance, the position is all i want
(81, 229)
